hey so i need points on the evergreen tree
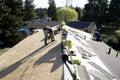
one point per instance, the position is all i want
(10, 16)
(103, 5)
(91, 11)
(103, 17)
(52, 10)
(114, 10)
(96, 10)
(29, 10)
(79, 11)
(41, 12)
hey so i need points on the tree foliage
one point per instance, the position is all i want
(29, 10)
(114, 12)
(41, 12)
(68, 3)
(91, 12)
(79, 11)
(11, 16)
(97, 11)
(66, 14)
(52, 10)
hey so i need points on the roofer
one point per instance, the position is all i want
(48, 32)
(32, 30)
(97, 36)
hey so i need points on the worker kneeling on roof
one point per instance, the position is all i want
(48, 32)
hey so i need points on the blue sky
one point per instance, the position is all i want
(59, 3)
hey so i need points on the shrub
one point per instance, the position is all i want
(14, 39)
(117, 32)
(112, 41)
(111, 37)
(104, 37)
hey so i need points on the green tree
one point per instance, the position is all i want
(29, 10)
(103, 17)
(79, 11)
(91, 12)
(10, 16)
(41, 12)
(103, 5)
(114, 12)
(52, 10)
(66, 14)
(96, 10)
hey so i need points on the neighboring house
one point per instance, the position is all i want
(82, 25)
(46, 19)
(40, 23)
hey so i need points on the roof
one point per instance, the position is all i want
(31, 60)
(81, 24)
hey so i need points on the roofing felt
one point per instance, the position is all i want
(31, 60)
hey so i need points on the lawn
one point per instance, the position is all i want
(1, 52)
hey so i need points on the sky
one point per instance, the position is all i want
(59, 3)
